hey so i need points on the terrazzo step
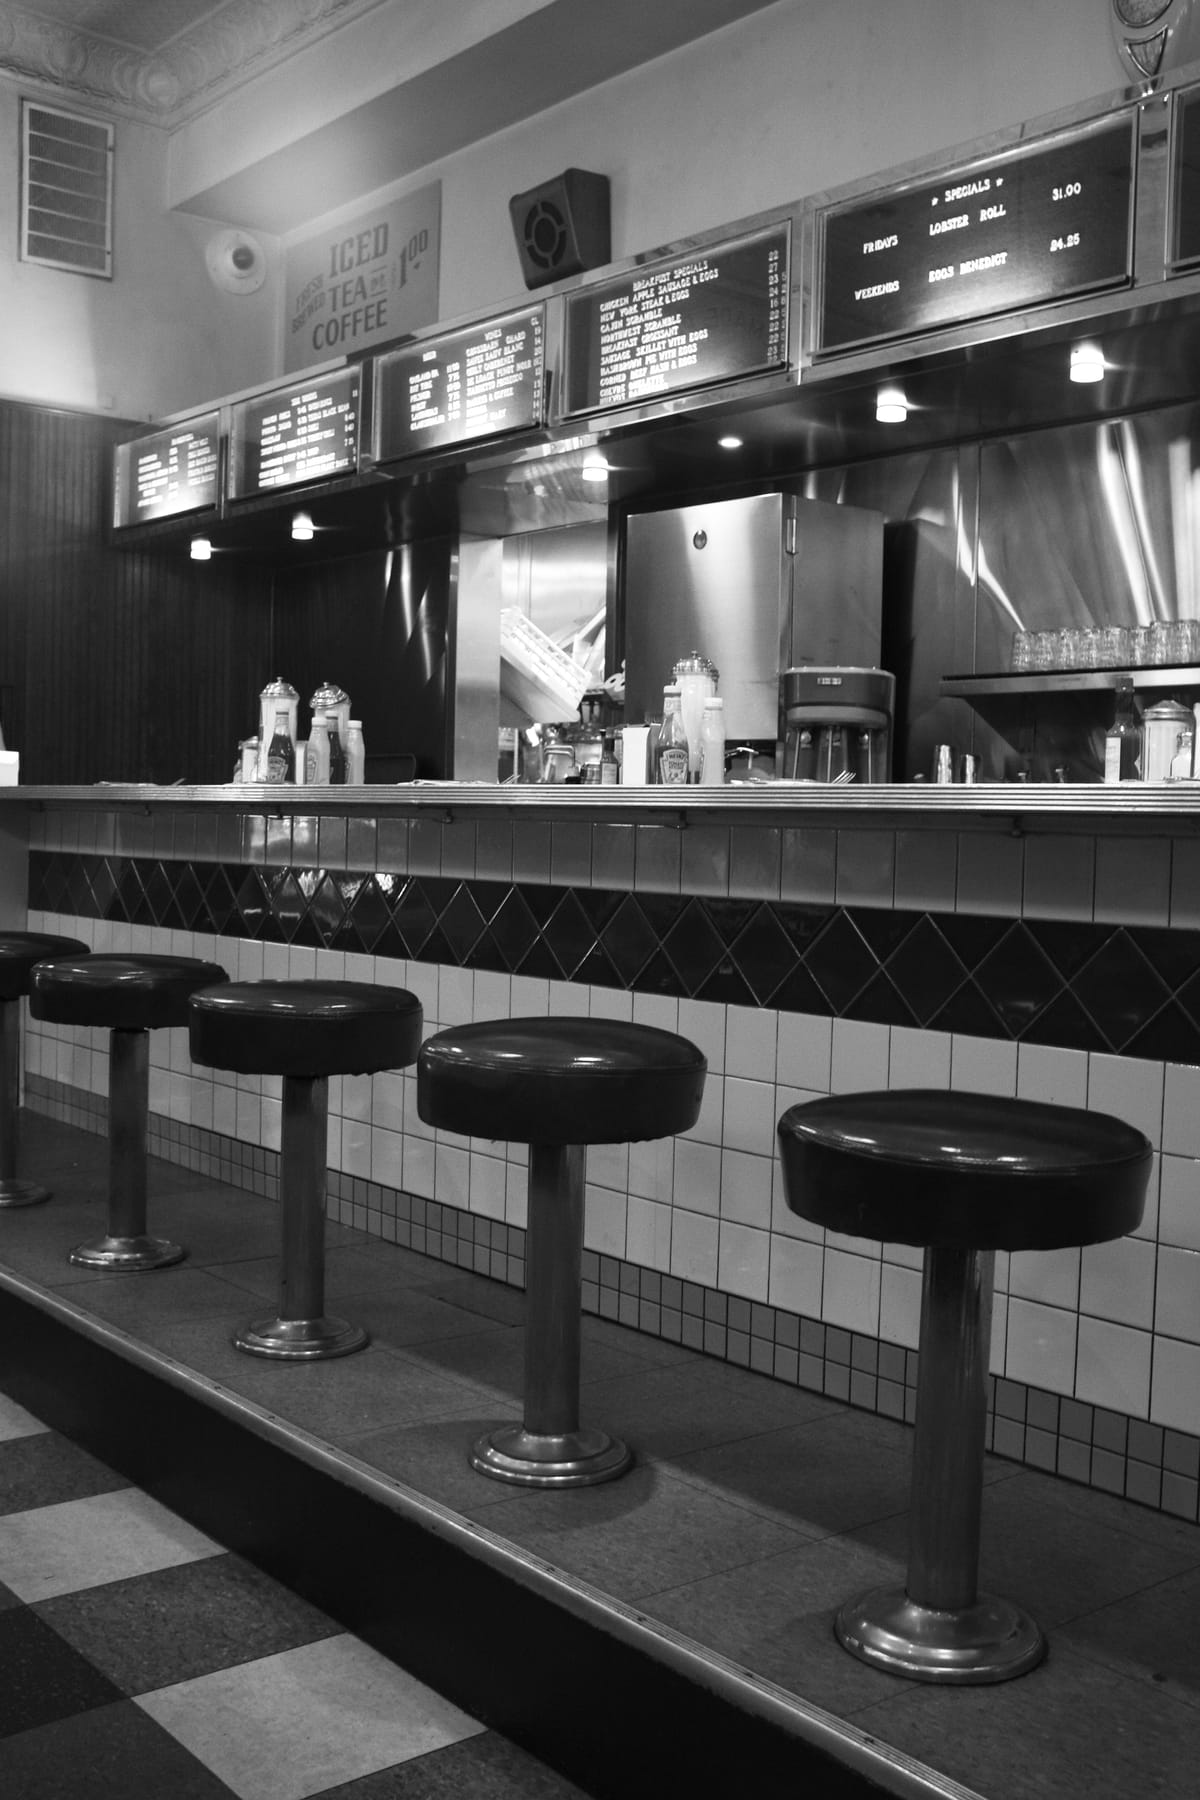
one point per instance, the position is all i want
(616, 1701)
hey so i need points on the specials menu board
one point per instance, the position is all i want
(479, 383)
(1185, 201)
(304, 433)
(714, 315)
(169, 472)
(1036, 225)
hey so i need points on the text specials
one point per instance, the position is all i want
(710, 317)
(453, 390)
(170, 472)
(308, 434)
(1036, 226)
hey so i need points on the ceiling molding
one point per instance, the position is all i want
(232, 45)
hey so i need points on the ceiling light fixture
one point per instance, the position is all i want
(891, 406)
(201, 549)
(730, 442)
(302, 528)
(595, 469)
(1087, 363)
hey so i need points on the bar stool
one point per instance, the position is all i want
(132, 996)
(19, 951)
(557, 1084)
(963, 1175)
(305, 1031)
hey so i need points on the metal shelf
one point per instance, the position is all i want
(1069, 681)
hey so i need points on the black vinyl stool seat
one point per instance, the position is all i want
(131, 996)
(963, 1175)
(557, 1084)
(304, 1031)
(19, 951)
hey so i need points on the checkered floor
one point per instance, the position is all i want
(141, 1659)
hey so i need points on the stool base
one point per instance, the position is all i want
(300, 1340)
(128, 1253)
(574, 1459)
(993, 1640)
(22, 1193)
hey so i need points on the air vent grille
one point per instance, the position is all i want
(66, 191)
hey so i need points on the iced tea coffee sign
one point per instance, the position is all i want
(1037, 224)
(363, 282)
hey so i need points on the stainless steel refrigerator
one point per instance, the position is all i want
(757, 585)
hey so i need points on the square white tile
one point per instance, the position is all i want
(294, 1724)
(86, 1543)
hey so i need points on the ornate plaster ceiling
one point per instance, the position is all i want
(160, 60)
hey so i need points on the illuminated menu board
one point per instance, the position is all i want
(477, 383)
(305, 433)
(1185, 212)
(171, 471)
(1038, 224)
(712, 316)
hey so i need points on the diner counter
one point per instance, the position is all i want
(1163, 807)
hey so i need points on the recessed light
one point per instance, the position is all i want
(730, 442)
(1087, 363)
(891, 406)
(595, 469)
(302, 528)
(200, 550)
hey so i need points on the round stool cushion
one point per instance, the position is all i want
(126, 993)
(963, 1171)
(305, 1028)
(560, 1081)
(20, 950)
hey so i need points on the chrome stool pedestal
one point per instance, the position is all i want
(962, 1175)
(132, 996)
(556, 1084)
(304, 1031)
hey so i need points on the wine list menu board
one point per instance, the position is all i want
(483, 382)
(1038, 224)
(172, 471)
(1185, 211)
(714, 315)
(305, 433)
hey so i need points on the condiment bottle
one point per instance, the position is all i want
(316, 756)
(279, 750)
(672, 768)
(337, 756)
(329, 698)
(712, 743)
(1123, 739)
(278, 695)
(697, 679)
(356, 754)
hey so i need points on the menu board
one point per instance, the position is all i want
(1185, 210)
(478, 383)
(171, 471)
(1035, 225)
(305, 433)
(714, 315)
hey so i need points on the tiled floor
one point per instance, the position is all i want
(754, 1509)
(140, 1659)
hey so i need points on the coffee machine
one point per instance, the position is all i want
(835, 724)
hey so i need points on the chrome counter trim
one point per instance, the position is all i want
(893, 1770)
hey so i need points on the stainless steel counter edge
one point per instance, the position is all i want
(1166, 808)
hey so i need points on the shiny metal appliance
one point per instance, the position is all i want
(756, 584)
(835, 724)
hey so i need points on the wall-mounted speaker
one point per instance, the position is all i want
(562, 227)
(237, 262)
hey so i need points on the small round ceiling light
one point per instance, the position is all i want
(200, 549)
(730, 442)
(1087, 363)
(595, 468)
(302, 528)
(891, 406)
